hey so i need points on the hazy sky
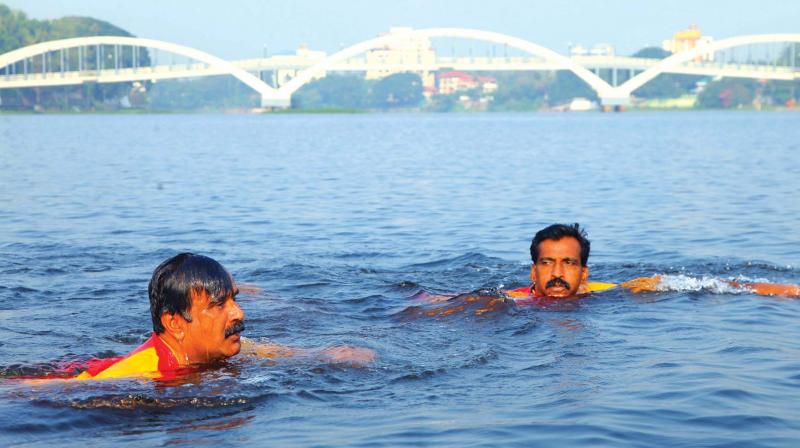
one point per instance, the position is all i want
(241, 28)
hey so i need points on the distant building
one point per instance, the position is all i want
(452, 82)
(403, 55)
(602, 50)
(689, 39)
(578, 50)
(488, 84)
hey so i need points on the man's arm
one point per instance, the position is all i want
(769, 289)
(266, 349)
(354, 356)
(645, 284)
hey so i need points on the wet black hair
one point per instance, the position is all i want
(557, 231)
(176, 277)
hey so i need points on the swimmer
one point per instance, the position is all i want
(196, 323)
(560, 254)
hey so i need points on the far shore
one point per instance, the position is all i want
(332, 111)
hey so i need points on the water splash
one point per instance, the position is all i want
(685, 283)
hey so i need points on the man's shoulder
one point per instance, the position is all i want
(524, 291)
(150, 360)
(142, 363)
(597, 286)
(142, 359)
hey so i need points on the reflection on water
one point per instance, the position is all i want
(344, 223)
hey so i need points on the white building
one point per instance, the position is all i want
(451, 82)
(403, 55)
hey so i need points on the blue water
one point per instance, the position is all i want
(343, 219)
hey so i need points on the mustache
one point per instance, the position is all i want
(557, 282)
(236, 328)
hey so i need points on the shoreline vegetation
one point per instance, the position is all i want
(560, 91)
(335, 111)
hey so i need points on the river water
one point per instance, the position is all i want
(343, 219)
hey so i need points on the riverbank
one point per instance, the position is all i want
(258, 111)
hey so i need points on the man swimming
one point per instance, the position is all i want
(559, 271)
(196, 323)
(560, 253)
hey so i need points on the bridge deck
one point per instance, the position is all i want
(170, 71)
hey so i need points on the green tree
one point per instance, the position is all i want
(208, 93)
(652, 53)
(398, 90)
(445, 103)
(728, 93)
(333, 92)
(567, 86)
(520, 91)
(665, 85)
(782, 91)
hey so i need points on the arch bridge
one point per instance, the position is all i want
(105, 59)
(119, 59)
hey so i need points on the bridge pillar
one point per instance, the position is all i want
(283, 102)
(614, 101)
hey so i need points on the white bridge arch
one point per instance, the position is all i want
(219, 65)
(597, 83)
(624, 90)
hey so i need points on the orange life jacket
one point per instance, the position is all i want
(528, 291)
(153, 359)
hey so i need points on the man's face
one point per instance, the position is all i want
(558, 272)
(206, 339)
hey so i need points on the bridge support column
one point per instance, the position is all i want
(276, 102)
(615, 101)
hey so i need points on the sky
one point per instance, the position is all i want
(237, 29)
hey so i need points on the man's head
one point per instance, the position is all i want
(192, 303)
(559, 253)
